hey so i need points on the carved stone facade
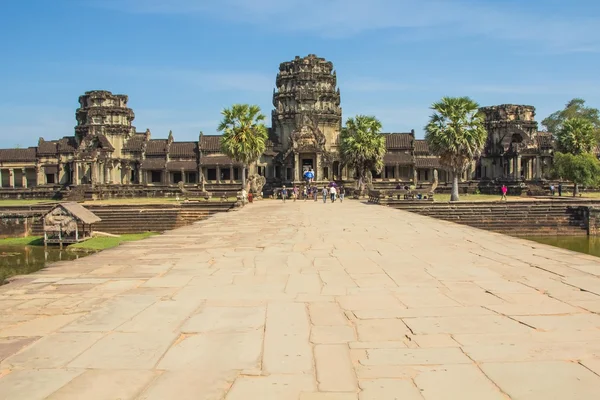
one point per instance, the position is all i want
(306, 123)
(515, 149)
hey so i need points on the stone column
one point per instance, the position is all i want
(75, 173)
(106, 174)
(231, 174)
(94, 177)
(0, 177)
(430, 174)
(397, 172)
(23, 177)
(11, 177)
(182, 176)
(538, 167)
(518, 168)
(218, 174)
(317, 166)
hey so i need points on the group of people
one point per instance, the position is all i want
(333, 193)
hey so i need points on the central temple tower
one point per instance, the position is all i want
(104, 116)
(307, 118)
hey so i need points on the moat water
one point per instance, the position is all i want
(582, 244)
(21, 260)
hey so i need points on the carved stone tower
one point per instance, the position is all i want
(307, 90)
(307, 118)
(102, 113)
(511, 148)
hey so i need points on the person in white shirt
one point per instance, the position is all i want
(332, 192)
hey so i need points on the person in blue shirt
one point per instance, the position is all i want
(283, 193)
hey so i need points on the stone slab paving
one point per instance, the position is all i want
(308, 301)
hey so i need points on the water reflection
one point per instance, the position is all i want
(20, 260)
(582, 244)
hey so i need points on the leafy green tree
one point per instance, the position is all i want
(576, 136)
(362, 146)
(581, 169)
(573, 109)
(456, 134)
(244, 134)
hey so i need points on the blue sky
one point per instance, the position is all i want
(182, 61)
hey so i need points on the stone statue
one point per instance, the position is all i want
(202, 181)
(435, 181)
(255, 184)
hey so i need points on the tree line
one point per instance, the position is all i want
(455, 132)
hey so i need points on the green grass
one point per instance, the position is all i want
(23, 241)
(10, 202)
(107, 242)
(95, 243)
(155, 200)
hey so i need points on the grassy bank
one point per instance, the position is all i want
(97, 243)
(107, 242)
(155, 200)
(11, 202)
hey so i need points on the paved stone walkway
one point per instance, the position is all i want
(306, 301)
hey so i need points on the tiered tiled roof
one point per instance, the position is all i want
(427, 162)
(18, 155)
(421, 147)
(153, 163)
(398, 158)
(157, 147)
(182, 165)
(183, 149)
(135, 143)
(218, 160)
(211, 143)
(399, 141)
(53, 147)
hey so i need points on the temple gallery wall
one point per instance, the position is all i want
(306, 120)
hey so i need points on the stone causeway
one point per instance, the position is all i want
(307, 301)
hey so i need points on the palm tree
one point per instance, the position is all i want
(577, 136)
(362, 146)
(455, 133)
(244, 134)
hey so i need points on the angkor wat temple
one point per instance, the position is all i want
(106, 149)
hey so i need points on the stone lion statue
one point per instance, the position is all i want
(255, 184)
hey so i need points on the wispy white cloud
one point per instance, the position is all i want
(433, 19)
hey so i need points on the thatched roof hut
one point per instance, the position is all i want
(67, 222)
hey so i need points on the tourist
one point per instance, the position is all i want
(504, 191)
(250, 197)
(560, 189)
(325, 192)
(295, 192)
(341, 194)
(333, 192)
(283, 193)
(305, 193)
(552, 190)
(315, 193)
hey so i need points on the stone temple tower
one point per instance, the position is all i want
(307, 118)
(306, 88)
(104, 115)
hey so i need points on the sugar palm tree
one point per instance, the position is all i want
(244, 134)
(577, 136)
(456, 134)
(362, 146)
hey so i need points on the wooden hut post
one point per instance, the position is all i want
(60, 237)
